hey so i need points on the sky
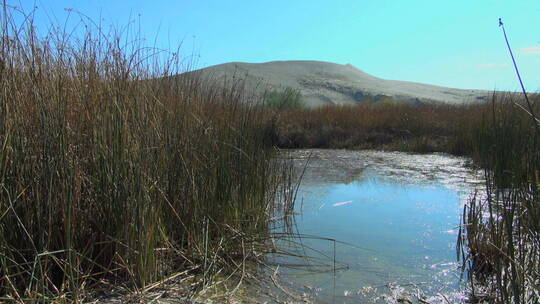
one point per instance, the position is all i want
(449, 43)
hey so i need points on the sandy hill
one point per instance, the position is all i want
(323, 83)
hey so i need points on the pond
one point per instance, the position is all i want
(394, 217)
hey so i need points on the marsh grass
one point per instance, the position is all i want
(115, 171)
(381, 125)
(500, 239)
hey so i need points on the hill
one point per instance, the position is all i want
(323, 83)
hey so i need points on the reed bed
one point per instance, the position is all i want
(390, 125)
(115, 171)
(500, 239)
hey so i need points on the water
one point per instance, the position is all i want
(396, 218)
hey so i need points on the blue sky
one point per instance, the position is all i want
(450, 43)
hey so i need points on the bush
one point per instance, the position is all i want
(287, 99)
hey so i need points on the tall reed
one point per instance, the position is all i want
(113, 168)
(391, 125)
(501, 231)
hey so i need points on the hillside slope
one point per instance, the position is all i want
(323, 83)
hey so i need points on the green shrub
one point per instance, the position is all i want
(287, 99)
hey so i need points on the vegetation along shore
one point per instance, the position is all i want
(116, 176)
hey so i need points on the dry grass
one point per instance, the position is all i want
(114, 172)
(389, 125)
(501, 232)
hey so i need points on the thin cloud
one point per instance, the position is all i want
(532, 50)
(492, 65)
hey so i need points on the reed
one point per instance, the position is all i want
(390, 125)
(113, 169)
(500, 239)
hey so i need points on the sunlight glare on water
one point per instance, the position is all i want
(396, 218)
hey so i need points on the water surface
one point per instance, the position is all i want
(396, 218)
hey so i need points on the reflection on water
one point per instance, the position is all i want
(395, 215)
